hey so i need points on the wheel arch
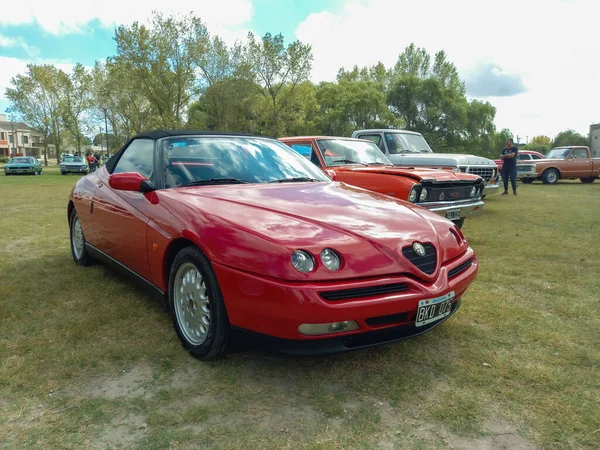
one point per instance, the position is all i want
(171, 251)
(70, 208)
(553, 168)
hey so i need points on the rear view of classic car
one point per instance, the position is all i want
(241, 235)
(23, 165)
(453, 195)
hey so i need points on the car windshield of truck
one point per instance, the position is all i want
(206, 160)
(407, 143)
(67, 159)
(77, 159)
(558, 153)
(342, 152)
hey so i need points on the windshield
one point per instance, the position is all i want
(21, 160)
(413, 143)
(558, 153)
(340, 152)
(68, 159)
(231, 160)
(77, 159)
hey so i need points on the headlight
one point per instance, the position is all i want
(62, 167)
(330, 259)
(423, 195)
(302, 261)
(84, 167)
(473, 191)
(412, 197)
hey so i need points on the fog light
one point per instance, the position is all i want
(313, 329)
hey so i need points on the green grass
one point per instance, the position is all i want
(88, 361)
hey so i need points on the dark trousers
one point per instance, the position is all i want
(509, 170)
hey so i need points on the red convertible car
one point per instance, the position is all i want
(241, 233)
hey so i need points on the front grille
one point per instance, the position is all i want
(449, 193)
(459, 269)
(425, 263)
(484, 172)
(386, 320)
(371, 291)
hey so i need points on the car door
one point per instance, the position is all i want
(120, 221)
(578, 164)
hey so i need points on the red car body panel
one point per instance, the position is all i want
(500, 162)
(249, 231)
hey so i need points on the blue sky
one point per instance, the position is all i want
(515, 67)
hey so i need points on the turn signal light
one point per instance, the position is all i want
(313, 329)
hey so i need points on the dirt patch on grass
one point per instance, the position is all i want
(132, 383)
(122, 432)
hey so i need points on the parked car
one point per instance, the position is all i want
(408, 148)
(74, 164)
(360, 163)
(561, 163)
(242, 233)
(25, 165)
(523, 155)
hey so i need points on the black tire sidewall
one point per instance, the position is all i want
(547, 174)
(218, 333)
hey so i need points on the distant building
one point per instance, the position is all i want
(595, 140)
(16, 138)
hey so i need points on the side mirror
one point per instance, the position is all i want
(130, 181)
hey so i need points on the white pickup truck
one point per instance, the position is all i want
(408, 148)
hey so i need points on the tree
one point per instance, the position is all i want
(569, 137)
(162, 62)
(76, 101)
(277, 70)
(36, 99)
(540, 140)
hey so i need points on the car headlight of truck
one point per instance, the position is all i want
(302, 261)
(413, 195)
(474, 191)
(423, 195)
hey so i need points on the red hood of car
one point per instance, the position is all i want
(367, 228)
(419, 174)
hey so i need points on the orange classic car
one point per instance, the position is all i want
(359, 162)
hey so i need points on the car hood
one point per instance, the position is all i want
(256, 227)
(440, 158)
(419, 174)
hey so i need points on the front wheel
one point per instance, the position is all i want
(199, 314)
(588, 180)
(527, 180)
(63, 173)
(550, 176)
(78, 250)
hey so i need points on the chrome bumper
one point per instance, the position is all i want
(466, 207)
(527, 174)
(491, 188)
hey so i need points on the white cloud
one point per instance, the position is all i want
(64, 16)
(550, 46)
(18, 42)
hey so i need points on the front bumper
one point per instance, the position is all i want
(29, 171)
(446, 209)
(491, 188)
(276, 308)
(527, 174)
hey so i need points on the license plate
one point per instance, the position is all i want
(453, 214)
(434, 309)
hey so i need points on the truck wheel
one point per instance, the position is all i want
(550, 176)
(587, 180)
(527, 180)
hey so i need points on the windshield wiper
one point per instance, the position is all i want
(293, 180)
(348, 161)
(214, 181)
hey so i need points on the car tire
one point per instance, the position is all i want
(77, 239)
(196, 303)
(63, 173)
(527, 180)
(587, 180)
(459, 223)
(550, 176)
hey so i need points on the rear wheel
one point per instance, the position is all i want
(78, 250)
(588, 180)
(527, 180)
(550, 176)
(199, 314)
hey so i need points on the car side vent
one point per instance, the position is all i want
(372, 291)
(425, 264)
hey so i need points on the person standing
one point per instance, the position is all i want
(509, 166)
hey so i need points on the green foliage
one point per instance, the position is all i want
(4, 159)
(540, 140)
(569, 137)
